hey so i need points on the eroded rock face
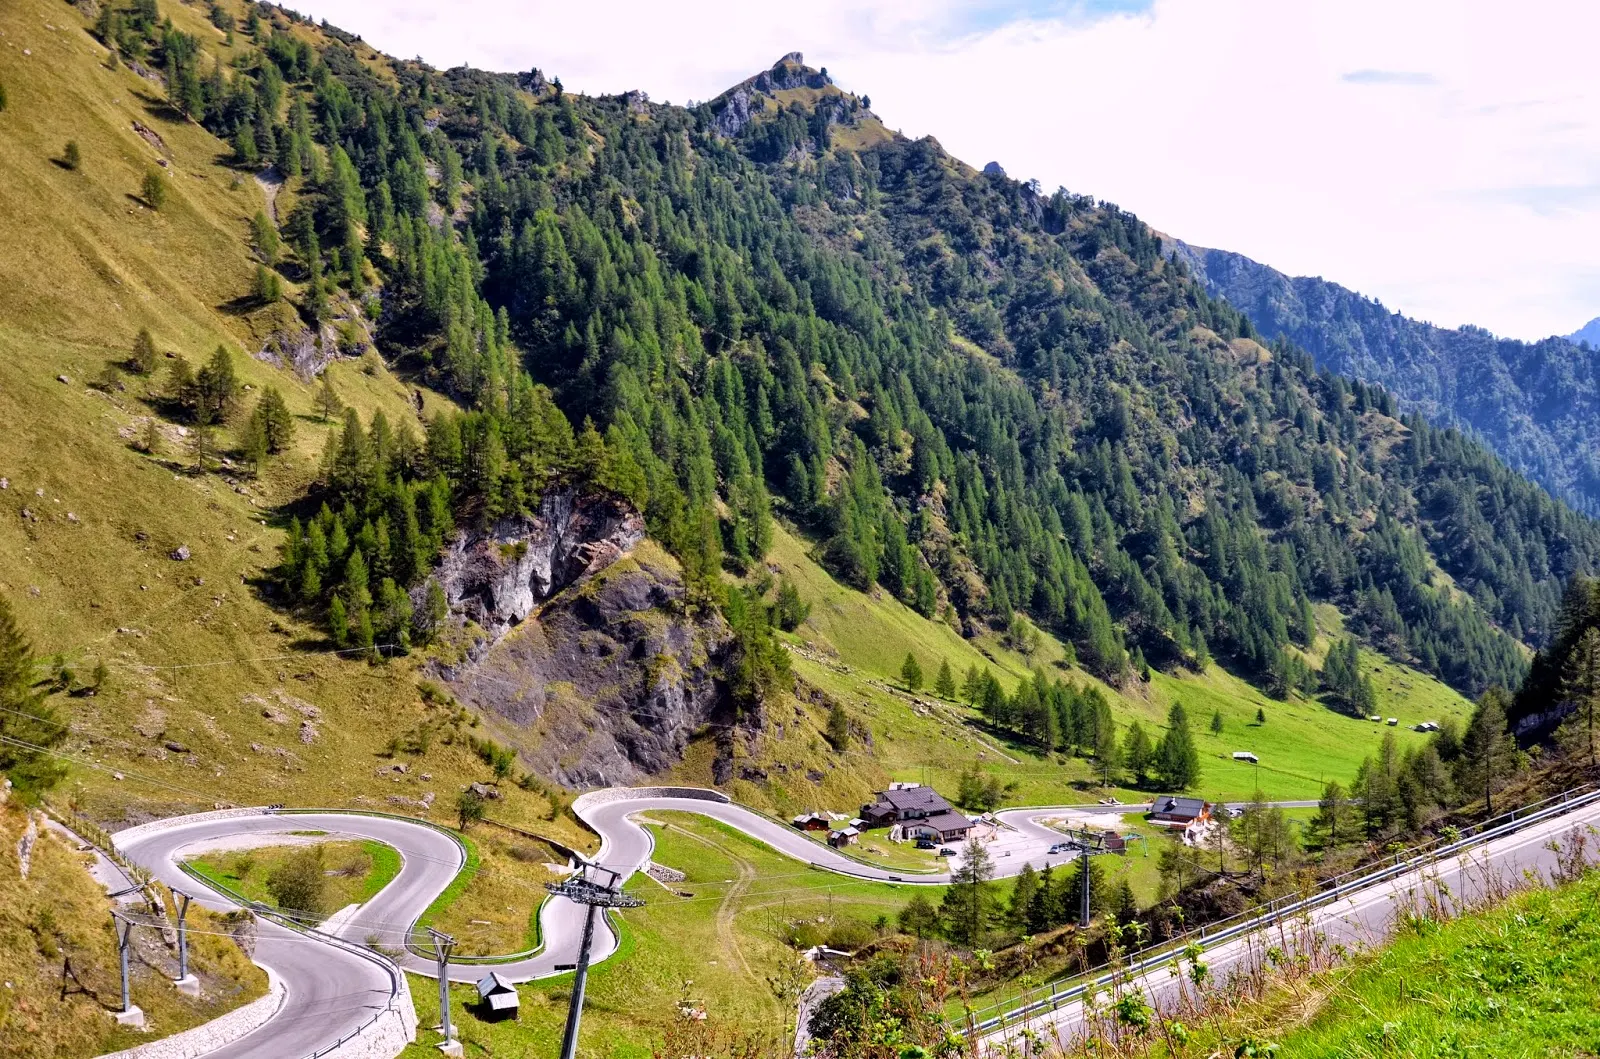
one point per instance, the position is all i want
(610, 681)
(497, 577)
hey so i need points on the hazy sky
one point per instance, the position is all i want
(1440, 155)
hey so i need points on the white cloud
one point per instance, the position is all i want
(1442, 155)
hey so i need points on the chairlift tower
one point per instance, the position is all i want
(580, 889)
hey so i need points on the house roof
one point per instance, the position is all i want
(906, 799)
(948, 821)
(495, 982)
(1174, 805)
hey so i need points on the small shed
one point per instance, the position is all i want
(1245, 755)
(845, 836)
(497, 993)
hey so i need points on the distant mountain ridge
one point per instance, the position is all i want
(1589, 332)
(1537, 404)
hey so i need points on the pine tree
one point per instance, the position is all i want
(153, 190)
(838, 727)
(1177, 762)
(71, 157)
(1581, 683)
(29, 728)
(1261, 715)
(1488, 752)
(911, 672)
(1107, 754)
(1333, 826)
(1216, 723)
(972, 685)
(143, 359)
(327, 401)
(1137, 752)
(944, 685)
(265, 236)
(966, 906)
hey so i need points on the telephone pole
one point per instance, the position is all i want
(582, 890)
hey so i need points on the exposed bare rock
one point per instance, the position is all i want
(610, 681)
(496, 578)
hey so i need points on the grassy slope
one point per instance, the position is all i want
(84, 265)
(356, 871)
(853, 644)
(716, 948)
(1516, 981)
(59, 912)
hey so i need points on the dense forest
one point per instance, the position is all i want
(983, 398)
(1536, 404)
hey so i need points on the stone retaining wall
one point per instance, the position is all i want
(625, 794)
(215, 1034)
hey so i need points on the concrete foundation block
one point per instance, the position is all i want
(132, 1017)
(188, 986)
(451, 1048)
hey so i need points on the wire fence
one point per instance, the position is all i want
(1329, 891)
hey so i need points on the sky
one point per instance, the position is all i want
(1442, 156)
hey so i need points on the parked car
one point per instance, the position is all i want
(924, 843)
(1234, 812)
(946, 851)
(1061, 847)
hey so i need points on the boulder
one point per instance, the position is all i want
(181, 553)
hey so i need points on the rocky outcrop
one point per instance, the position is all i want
(588, 651)
(610, 681)
(735, 108)
(497, 576)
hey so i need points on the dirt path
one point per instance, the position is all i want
(271, 181)
(727, 907)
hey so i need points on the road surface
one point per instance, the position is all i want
(333, 990)
(1363, 917)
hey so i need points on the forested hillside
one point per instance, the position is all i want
(1535, 404)
(983, 398)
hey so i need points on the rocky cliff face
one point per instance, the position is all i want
(496, 577)
(588, 653)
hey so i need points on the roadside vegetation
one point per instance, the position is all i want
(309, 881)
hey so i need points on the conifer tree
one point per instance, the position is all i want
(29, 726)
(153, 190)
(944, 685)
(838, 726)
(1216, 723)
(327, 401)
(1137, 752)
(1581, 682)
(71, 157)
(911, 672)
(1488, 751)
(1177, 762)
(143, 358)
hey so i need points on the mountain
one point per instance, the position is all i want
(1535, 404)
(1589, 332)
(996, 410)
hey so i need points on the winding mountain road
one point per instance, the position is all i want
(337, 986)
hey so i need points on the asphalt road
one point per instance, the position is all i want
(332, 991)
(1360, 919)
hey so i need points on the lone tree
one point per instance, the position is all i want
(28, 725)
(469, 808)
(965, 908)
(153, 190)
(1261, 715)
(944, 685)
(838, 727)
(1488, 751)
(143, 359)
(327, 401)
(1216, 723)
(71, 157)
(1177, 763)
(300, 883)
(911, 672)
